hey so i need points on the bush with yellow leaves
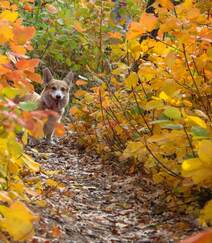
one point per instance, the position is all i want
(17, 71)
(155, 107)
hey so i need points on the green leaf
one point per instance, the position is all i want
(159, 121)
(172, 126)
(28, 106)
(137, 110)
(199, 131)
(172, 113)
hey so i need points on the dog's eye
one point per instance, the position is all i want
(63, 89)
(54, 88)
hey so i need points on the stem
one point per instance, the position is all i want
(100, 39)
(194, 82)
(189, 140)
(108, 140)
(170, 172)
(145, 121)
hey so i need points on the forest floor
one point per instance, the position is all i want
(98, 202)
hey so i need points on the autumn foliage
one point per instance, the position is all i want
(17, 71)
(145, 100)
(154, 108)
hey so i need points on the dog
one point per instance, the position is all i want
(54, 97)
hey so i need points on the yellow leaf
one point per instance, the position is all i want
(200, 175)
(6, 33)
(196, 120)
(131, 80)
(53, 183)
(191, 164)
(205, 152)
(170, 59)
(41, 203)
(164, 96)
(3, 59)
(17, 221)
(154, 104)
(166, 3)
(18, 188)
(197, 170)
(193, 13)
(4, 197)
(80, 93)
(25, 137)
(14, 148)
(9, 16)
(206, 214)
(30, 163)
(133, 149)
(146, 72)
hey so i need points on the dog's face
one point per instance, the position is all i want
(56, 92)
(57, 89)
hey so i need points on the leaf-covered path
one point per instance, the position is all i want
(98, 203)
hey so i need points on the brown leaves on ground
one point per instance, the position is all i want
(88, 201)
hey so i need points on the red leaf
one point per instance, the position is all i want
(202, 237)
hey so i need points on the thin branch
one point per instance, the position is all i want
(194, 81)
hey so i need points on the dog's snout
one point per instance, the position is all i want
(58, 97)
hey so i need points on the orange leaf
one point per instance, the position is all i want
(34, 77)
(51, 9)
(5, 4)
(27, 64)
(73, 110)
(23, 34)
(4, 70)
(56, 232)
(115, 35)
(14, 7)
(17, 49)
(80, 93)
(80, 82)
(16, 76)
(148, 21)
(135, 30)
(28, 8)
(78, 27)
(59, 130)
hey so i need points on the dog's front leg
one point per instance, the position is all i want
(49, 128)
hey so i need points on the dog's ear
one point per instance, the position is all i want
(69, 78)
(47, 75)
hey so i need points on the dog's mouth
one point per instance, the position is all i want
(57, 101)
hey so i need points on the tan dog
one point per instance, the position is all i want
(55, 96)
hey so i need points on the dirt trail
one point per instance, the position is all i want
(98, 204)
